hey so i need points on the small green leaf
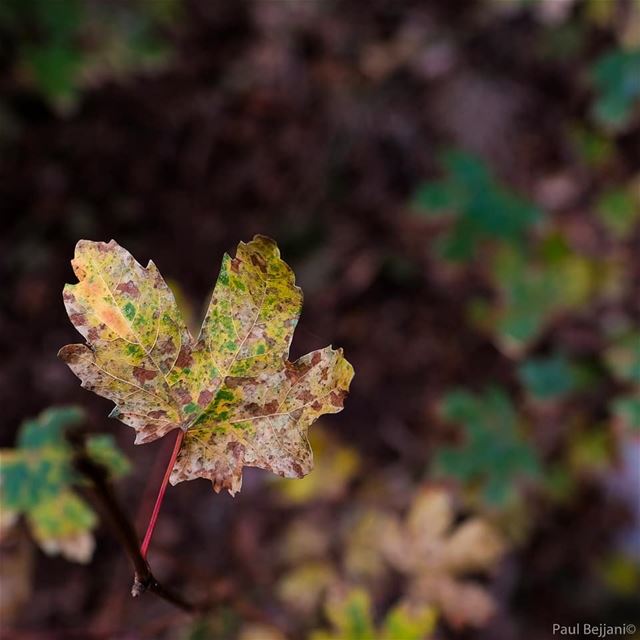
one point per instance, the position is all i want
(627, 409)
(616, 77)
(623, 357)
(350, 616)
(35, 480)
(403, 622)
(619, 211)
(483, 209)
(550, 377)
(494, 455)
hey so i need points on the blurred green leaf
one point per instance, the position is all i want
(623, 357)
(403, 622)
(494, 454)
(619, 211)
(534, 289)
(595, 149)
(616, 76)
(36, 477)
(591, 450)
(627, 409)
(549, 377)
(62, 45)
(483, 210)
(351, 617)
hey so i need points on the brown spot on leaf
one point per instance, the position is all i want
(185, 359)
(271, 407)
(253, 409)
(205, 398)
(183, 394)
(158, 413)
(78, 319)
(306, 396)
(238, 381)
(129, 288)
(258, 261)
(167, 345)
(236, 449)
(142, 375)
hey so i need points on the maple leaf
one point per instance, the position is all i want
(36, 479)
(495, 455)
(232, 389)
(436, 554)
(482, 209)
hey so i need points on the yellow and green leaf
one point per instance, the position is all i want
(232, 389)
(36, 479)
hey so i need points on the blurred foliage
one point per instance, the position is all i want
(60, 46)
(619, 209)
(623, 359)
(482, 209)
(436, 554)
(362, 548)
(616, 76)
(535, 288)
(551, 377)
(350, 615)
(36, 479)
(594, 148)
(494, 454)
(330, 479)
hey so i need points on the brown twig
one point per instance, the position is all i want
(114, 515)
(112, 512)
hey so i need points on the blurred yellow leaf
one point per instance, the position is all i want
(435, 553)
(303, 587)
(335, 466)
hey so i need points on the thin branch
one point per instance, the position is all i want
(112, 512)
(163, 488)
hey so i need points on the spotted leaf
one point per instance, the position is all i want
(232, 389)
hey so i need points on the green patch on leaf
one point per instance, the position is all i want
(129, 311)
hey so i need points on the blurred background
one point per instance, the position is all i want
(457, 187)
